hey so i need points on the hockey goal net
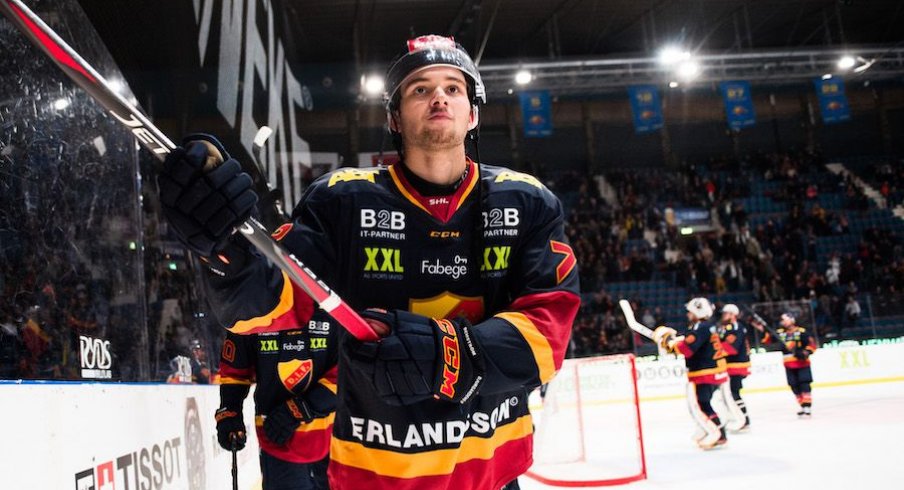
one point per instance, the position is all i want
(589, 431)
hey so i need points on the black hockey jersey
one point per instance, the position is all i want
(703, 354)
(795, 340)
(285, 364)
(494, 252)
(737, 348)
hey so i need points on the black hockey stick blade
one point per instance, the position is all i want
(86, 77)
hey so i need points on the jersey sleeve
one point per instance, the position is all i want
(693, 340)
(733, 341)
(236, 370)
(525, 343)
(249, 295)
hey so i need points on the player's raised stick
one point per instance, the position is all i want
(150, 136)
(633, 324)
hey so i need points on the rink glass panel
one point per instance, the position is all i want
(86, 281)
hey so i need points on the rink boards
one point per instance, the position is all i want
(156, 436)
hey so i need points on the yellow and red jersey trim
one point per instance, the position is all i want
(293, 309)
(311, 441)
(411, 470)
(738, 368)
(456, 199)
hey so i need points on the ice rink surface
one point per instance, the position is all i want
(855, 440)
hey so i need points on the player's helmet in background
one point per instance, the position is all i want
(427, 51)
(700, 308)
(732, 309)
(787, 317)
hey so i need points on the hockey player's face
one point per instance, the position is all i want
(435, 112)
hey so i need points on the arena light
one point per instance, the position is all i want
(61, 104)
(673, 84)
(688, 70)
(672, 55)
(827, 76)
(846, 62)
(686, 230)
(523, 77)
(372, 84)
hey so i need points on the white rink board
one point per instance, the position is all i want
(666, 377)
(852, 440)
(82, 435)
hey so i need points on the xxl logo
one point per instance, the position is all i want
(269, 345)
(382, 219)
(154, 467)
(496, 258)
(383, 260)
(95, 357)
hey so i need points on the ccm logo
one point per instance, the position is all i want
(451, 358)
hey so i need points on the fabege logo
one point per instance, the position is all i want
(95, 358)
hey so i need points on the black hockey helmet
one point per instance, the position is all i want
(432, 50)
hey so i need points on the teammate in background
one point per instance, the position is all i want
(706, 368)
(200, 371)
(798, 344)
(734, 341)
(468, 262)
(294, 402)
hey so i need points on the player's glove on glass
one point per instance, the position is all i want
(230, 428)
(665, 337)
(282, 421)
(204, 205)
(421, 358)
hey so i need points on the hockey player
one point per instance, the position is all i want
(469, 264)
(734, 341)
(706, 368)
(294, 401)
(798, 345)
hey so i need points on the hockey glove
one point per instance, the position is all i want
(802, 354)
(421, 358)
(230, 428)
(203, 204)
(281, 422)
(665, 337)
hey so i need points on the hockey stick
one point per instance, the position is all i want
(632, 322)
(769, 329)
(235, 464)
(85, 76)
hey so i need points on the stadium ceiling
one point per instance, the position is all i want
(572, 46)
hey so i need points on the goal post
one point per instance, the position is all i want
(589, 430)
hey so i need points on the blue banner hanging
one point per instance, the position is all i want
(833, 104)
(646, 108)
(738, 104)
(536, 113)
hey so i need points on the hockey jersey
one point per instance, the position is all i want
(285, 364)
(737, 348)
(494, 252)
(703, 354)
(795, 340)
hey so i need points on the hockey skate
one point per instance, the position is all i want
(805, 413)
(713, 440)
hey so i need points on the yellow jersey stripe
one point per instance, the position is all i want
(539, 344)
(428, 463)
(286, 302)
